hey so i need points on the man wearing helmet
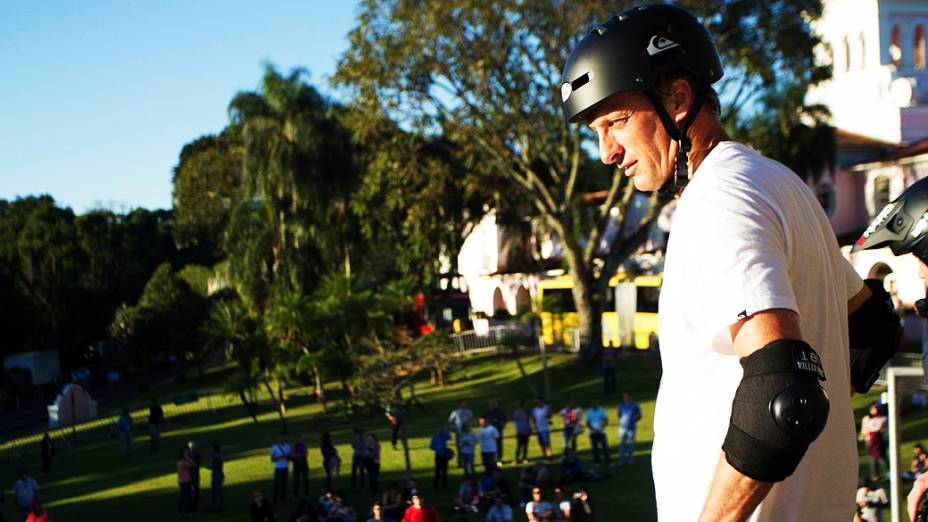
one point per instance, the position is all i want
(903, 227)
(756, 295)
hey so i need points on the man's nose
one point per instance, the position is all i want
(609, 150)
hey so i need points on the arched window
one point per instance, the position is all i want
(895, 47)
(863, 52)
(847, 55)
(919, 47)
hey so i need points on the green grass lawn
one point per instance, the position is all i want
(92, 479)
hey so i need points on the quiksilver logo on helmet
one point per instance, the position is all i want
(659, 44)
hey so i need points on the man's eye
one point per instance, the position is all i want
(618, 122)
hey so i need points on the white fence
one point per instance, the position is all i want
(493, 338)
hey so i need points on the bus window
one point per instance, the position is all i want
(558, 300)
(647, 299)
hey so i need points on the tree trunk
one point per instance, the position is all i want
(589, 322)
(280, 413)
(252, 410)
(345, 401)
(319, 389)
(441, 376)
(515, 355)
(281, 399)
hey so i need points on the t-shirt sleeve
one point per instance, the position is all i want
(852, 281)
(744, 267)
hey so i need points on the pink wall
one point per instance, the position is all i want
(851, 213)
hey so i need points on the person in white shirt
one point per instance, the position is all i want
(873, 428)
(466, 443)
(280, 456)
(871, 499)
(456, 421)
(538, 508)
(541, 418)
(754, 401)
(488, 435)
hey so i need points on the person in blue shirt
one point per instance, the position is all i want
(443, 454)
(124, 427)
(629, 415)
(596, 421)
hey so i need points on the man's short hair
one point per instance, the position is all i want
(663, 85)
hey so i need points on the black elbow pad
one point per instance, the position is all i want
(875, 332)
(778, 410)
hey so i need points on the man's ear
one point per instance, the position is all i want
(680, 100)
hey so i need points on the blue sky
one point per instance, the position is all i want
(98, 97)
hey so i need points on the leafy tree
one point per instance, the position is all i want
(230, 329)
(167, 319)
(416, 202)
(485, 75)
(207, 185)
(298, 174)
(435, 352)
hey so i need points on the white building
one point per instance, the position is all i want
(877, 49)
(878, 98)
(482, 262)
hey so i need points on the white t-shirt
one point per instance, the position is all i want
(873, 499)
(280, 454)
(748, 236)
(487, 436)
(540, 414)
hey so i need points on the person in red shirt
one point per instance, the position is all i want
(38, 514)
(419, 511)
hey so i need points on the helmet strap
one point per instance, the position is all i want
(681, 174)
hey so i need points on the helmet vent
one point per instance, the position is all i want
(581, 81)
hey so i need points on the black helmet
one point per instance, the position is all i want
(630, 52)
(902, 225)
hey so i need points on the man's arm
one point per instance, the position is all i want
(732, 495)
(918, 489)
(859, 298)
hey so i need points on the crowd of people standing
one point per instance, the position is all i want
(483, 493)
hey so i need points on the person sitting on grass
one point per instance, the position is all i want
(468, 496)
(341, 512)
(538, 508)
(919, 463)
(392, 502)
(527, 481)
(495, 485)
(304, 512)
(38, 514)
(326, 502)
(572, 469)
(581, 509)
(419, 511)
(499, 511)
(261, 509)
(560, 505)
(377, 514)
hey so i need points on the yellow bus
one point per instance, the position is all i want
(632, 323)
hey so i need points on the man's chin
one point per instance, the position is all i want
(645, 185)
